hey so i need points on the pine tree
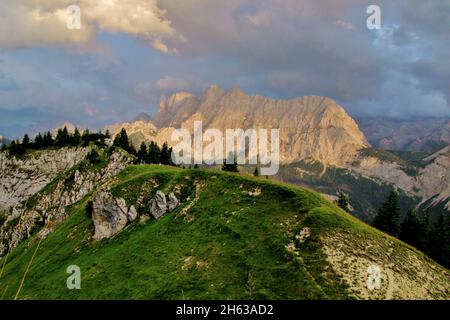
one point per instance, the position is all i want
(413, 231)
(230, 167)
(38, 141)
(26, 141)
(62, 137)
(107, 134)
(121, 141)
(85, 138)
(343, 201)
(440, 240)
(48, 140)
(166, 157)
(142, 153)
(388, 218)
(76, 138)
(154, 153)
(426, 232)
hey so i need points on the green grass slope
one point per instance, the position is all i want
(232, 237)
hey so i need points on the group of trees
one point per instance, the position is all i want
(433, 239)
(151, 154)
(63, 139)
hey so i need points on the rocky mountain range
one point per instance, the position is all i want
(317, 130)
(310, 127)
(70, 198)
(427, 134)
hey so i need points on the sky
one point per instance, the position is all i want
(129, 54)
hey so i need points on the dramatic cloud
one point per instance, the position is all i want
(28, 23)
(129, 53)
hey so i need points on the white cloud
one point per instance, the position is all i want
(172, 84)
(28, 23)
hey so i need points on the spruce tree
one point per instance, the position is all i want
(76, 138)
(343, 201)
(121, 140)
(154, 153)
(388, 218)
(142, 153)
(48, 140)
(413, 230)
(440, 240)
(26, 141)
(166, 157)
(85, 138)
(38, 141)
(62, 137)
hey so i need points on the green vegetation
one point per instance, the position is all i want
(439, 246)
(416, 231)
(231, 244)
(63, 139)
(227, 241)
(388, 218)
(343, 201)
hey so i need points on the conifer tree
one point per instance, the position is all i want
(62, 137)
(166, 157)
(76, 138)
(48, 140)
(343, 201)
(440, 240)
(256, 173)
(413, 231)
(38, 141)
(26, 141)
(85, 138)
(121, 140)
(154, 153)
(388, 218)
(142, 153)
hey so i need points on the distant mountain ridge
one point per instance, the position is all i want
(311, 127)
(312, 130)
(429, 134)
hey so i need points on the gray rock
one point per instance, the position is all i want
(172, 201)
(132, 214)
(108, 215)
(158, 205)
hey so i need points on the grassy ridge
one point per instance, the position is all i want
(229, 245)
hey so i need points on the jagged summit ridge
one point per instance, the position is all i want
(310, 127)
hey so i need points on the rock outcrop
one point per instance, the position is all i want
(110, 215)
(30, 206)
(22, 177)
(172, 202)
(161, 204)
